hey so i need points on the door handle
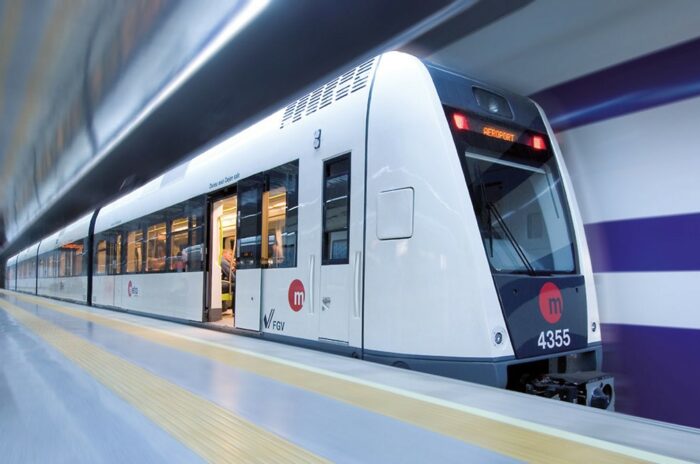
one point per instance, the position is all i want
(312, 272)
(356, 296)
(325, 303)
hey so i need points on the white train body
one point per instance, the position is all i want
(407, 280)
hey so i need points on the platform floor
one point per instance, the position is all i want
(81, 384)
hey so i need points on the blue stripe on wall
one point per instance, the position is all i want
(665, 243)
(655, 370)
(656, 79)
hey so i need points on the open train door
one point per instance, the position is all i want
(248, 272)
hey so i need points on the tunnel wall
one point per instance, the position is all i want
(629, 136)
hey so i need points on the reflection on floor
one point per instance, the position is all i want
(226, 319)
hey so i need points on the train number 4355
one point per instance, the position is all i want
(551, 338)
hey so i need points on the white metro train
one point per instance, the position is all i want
(400, 213)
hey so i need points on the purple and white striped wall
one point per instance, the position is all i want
(630, 136)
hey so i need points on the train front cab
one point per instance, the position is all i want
(490, 281)
(516, 187)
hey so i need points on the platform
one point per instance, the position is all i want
(80, 384)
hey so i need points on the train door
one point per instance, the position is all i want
(222, 269)
(248, 296)
(340, 277)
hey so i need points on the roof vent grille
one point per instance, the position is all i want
(338, 88)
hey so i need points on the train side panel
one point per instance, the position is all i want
(430, 294)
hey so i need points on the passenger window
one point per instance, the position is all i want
(114, 253)
(53, 257)
(194, 255)
(249, 222)
(155, 248)
(336, 210)
(77, 254)
(117, 259)
(179, 241)
(134, 247)
(56, 263)
(280, 211)
(64, 262)
(101, 258)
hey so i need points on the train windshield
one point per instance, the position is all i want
(521, 209)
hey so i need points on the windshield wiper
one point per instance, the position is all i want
(484, 207)
(511, 238)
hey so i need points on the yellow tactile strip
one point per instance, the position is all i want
(512, 437)
(209, 430)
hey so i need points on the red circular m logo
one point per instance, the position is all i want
(296, 295)
(551, 303)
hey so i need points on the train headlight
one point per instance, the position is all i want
(498, 336)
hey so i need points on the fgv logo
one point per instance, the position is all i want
(132, 290)
(270, 322)
(551, 303)
(296, 295)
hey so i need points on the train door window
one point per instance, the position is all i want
(249, 222)
(336, 209)
(195, 256)
(101, 258)
(280, 212)
(155, 248)
(134, 250)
